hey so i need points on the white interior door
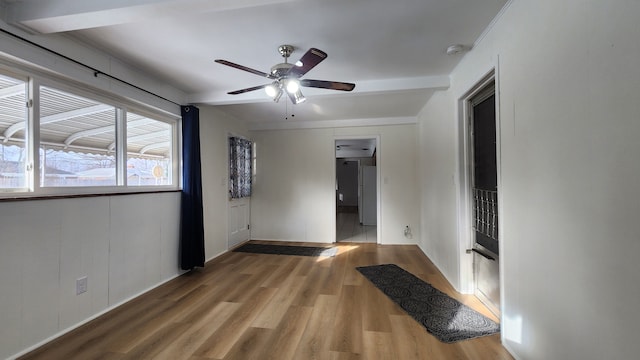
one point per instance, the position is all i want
(239, 220)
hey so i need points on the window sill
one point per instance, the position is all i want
(24, 197)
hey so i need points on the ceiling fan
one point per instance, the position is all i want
(286, 76)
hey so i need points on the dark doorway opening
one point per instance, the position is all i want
(484, 194)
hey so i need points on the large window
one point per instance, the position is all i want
(149, 149)
(76, 140)
(80, 140)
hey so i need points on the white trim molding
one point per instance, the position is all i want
(324, 124)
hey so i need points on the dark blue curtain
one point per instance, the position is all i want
(192, 221)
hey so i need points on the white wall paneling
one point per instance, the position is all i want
(294, 193)
(125, 245)
(215, 127)
(569, 174)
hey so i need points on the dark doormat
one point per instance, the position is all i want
(444, 317)
(286, 250)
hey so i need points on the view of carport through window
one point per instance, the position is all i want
(77, 141)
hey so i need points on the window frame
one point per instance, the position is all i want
(27, 185)
(176, 163)
(35, 80)
(231, 181)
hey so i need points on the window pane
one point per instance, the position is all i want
(240, 161)
(13, 121)
(149, 148)
(77, 140)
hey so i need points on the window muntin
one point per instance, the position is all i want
(77, 140)
(149, 151)
(13, 124)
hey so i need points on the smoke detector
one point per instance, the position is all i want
(457, 49)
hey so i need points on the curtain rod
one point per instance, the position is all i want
(96, 72)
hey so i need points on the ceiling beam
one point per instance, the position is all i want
(327, 124)
(365, 87)
(53, 16)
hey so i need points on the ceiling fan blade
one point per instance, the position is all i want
(247, 69)
(242, 91)
(324, 84)
(309, 60)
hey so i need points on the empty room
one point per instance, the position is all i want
(307, 179)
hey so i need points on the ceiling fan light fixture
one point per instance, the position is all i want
(272, 89)
(293, 86)
(276, 98)
(298, 97)
(286, 76)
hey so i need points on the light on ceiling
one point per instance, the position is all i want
(298, 97)
(293, 85)
(272, 89)
(299, 63)
(276, 98)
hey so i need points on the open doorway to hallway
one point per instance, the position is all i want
(356, 190)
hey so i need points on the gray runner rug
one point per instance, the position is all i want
(286, 250)
(444, 317)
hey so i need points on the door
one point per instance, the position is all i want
(356, 207)
(241, 158)
(369, 198)
(485, 198)
(239, 220)
(347, 185)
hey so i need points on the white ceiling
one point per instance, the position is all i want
(394, 51)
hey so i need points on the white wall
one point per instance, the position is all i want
(437, 172)
(294, 191)
(215, 128)
(568, 82)
(124, 244)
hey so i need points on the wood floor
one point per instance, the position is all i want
(252, 306)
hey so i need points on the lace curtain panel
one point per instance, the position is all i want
(240, 158)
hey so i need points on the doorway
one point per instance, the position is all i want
(479, 196)
(484, 197)
(241, 157)
(356, 190)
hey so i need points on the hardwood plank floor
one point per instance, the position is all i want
(252, 306)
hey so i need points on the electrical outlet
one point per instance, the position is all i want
(407, 232)
(81, 285)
